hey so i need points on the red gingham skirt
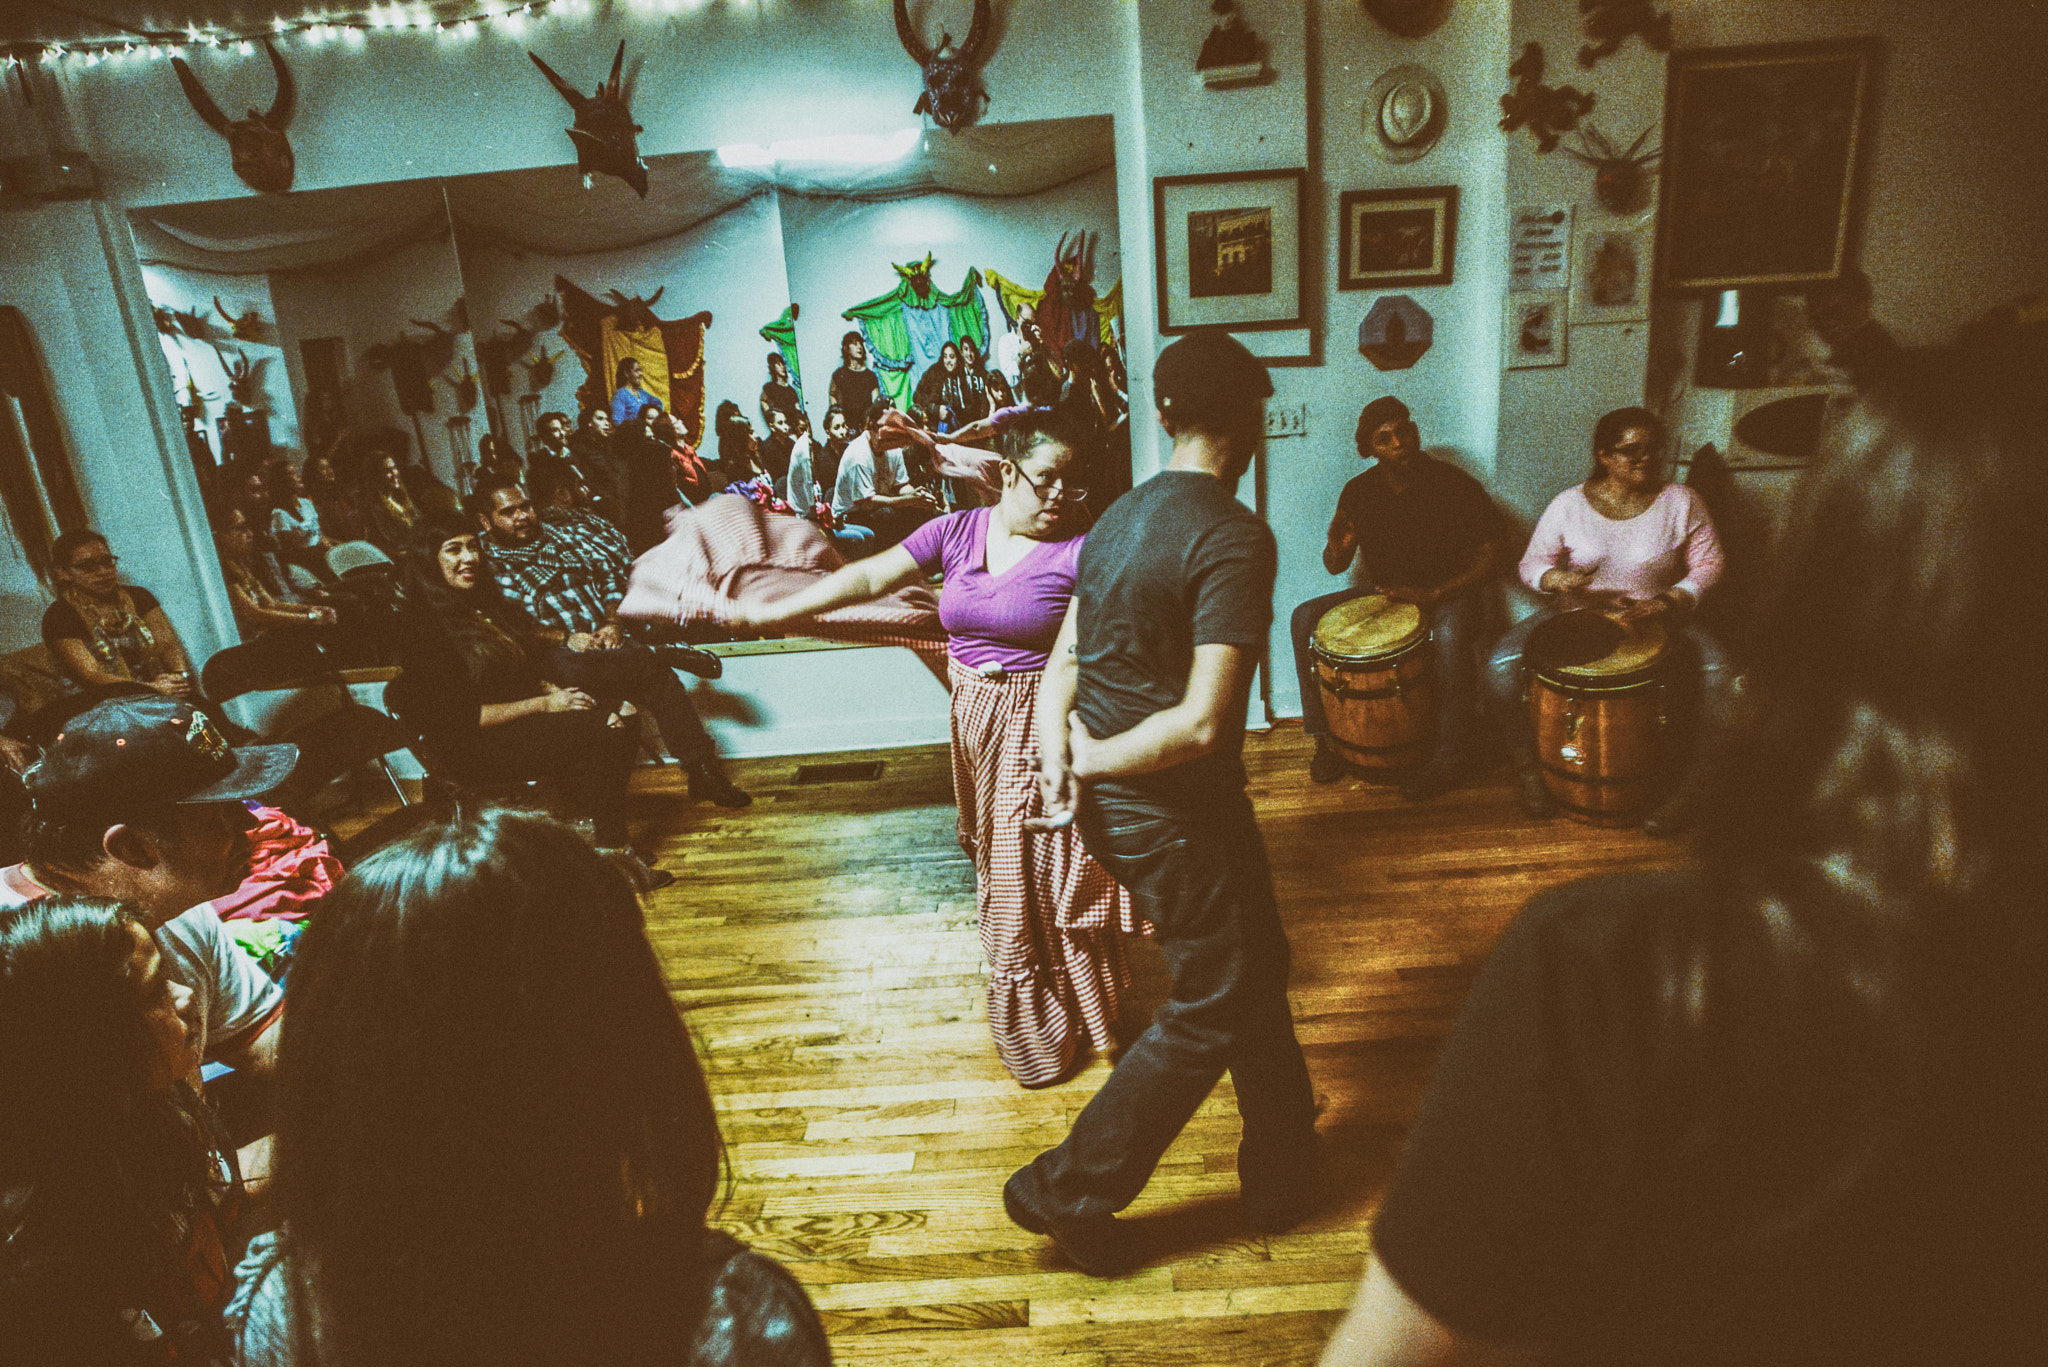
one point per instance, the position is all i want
(1052, 920)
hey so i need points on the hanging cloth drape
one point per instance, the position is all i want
(905, 328)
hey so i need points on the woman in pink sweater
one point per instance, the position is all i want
(1634, 547)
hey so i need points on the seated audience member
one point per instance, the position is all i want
(140, 801)
(120, 1187)
(813, 478)
(568, 579)
(777, 446)
(554, 1158)
(854, 387)
(942, 391)
(1428, 535)
(1000, 395)
(258, 608)
(340, 521)
(422, 486)
(779, 395)
(1627, 544)
(558, 455)
(1783, 1106)
(104, 632)
(245, 489)
(974, 374)
(295, 528)
(496, 459)
(876, 489)
(389, 513)
(651, 466)
(629, 391)
(695, 478)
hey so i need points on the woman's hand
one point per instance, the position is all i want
(569, 700)
(1565, 581)
(173, 685)
(322, 616)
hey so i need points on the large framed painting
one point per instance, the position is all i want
(1764, 152)
(1230, 249)
(1396, 237)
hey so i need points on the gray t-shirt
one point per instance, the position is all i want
(1175, 563)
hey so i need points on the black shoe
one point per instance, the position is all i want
(1431, 780)
(1534, 792)
(1328, 766)
(1101, 1247)
(707, 784)
(1275, 1196)
(690, 660)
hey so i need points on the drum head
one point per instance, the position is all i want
(1368, 628)
(1590, 647)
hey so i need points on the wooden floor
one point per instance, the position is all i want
(822, 943)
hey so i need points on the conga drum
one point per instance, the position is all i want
(1372, 662)
(1596, 700)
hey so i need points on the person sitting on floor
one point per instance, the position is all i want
(119, 1192)
(534, 1189)
(569, 579)
(1430, 536)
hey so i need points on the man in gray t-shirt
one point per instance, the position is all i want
(1140, 730)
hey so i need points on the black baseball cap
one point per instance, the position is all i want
(137, 752)
(1207, 371)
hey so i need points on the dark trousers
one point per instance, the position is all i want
(590, 760)
(633, 674)
(1453, 626)
(1200, 877)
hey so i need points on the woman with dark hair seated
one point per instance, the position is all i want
(530, 1189)
(474, 685)
(118, 1189)
(1784, 1107)
(105, 632)
(258, 606)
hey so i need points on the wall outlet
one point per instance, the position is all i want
(1286, 419)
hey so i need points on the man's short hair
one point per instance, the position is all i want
(541, 421)
(1378, 414)
(1208, 381)
(483, 500)
(878, 410)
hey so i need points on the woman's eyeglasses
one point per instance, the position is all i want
(98, 562)
(1057, 482)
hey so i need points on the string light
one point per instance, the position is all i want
(397, 16)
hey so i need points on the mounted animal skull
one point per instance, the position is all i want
(634, 313)
(262, 156)
(951, 87)
(604, 131)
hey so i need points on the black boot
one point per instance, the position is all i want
(690, 660)
(708, 784)
(1327, 766)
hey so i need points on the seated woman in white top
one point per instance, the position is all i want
(1627, 544)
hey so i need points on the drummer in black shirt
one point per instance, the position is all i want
(1429, 536)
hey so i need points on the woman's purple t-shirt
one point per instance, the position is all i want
(1009, 619)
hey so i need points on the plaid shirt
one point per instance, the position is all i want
(571, 577)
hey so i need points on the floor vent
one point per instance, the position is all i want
(858, 771)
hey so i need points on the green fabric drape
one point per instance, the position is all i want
(782, 332)
(882, 322)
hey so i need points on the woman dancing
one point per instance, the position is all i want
(1050, 917)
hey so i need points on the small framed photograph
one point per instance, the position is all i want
(1611, 274)
(1396, 237)
(1230, 248)
(1534, 329)
(1765, 152)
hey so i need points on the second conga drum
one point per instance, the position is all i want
(1372, 663)
(1599, 721)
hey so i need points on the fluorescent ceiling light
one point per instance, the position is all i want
(858, 149)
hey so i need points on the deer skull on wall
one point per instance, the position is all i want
(262, 155)
(952, 92)
(604, 131)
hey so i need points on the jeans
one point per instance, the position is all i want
(1199, 875)
(632, 674)
(1452, 623)
(1695, 657)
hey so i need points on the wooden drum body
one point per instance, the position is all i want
(1373, 665)
(1600, 729)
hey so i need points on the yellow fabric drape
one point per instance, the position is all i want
(646, 347)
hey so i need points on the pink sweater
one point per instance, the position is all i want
(1670, 544)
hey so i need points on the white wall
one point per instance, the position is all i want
(194, 292)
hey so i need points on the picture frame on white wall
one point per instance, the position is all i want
(1397, 237)
(1534, 328)
(1611, 274)
(1230, 248)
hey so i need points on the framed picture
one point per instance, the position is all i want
(1396, 237)
(1230, 249)
(1764, 151)
(1534, 329)
(1611, 274)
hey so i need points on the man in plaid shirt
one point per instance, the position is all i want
(570, 575)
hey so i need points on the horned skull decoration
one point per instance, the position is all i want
(952, 91)
(604, 131)
(262, 156)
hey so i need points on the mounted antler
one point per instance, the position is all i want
(262, 156)
(604, 131)
(636, 314)
(951, 88)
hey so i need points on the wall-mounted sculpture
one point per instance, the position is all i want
(1610, 23)
(952, 88)
(262, 155)
(1620, 181)
(605, 135)
(1547, 112)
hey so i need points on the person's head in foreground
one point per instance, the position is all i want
(552, 1155)
(1790, 1102)
(1207, 386)
(139, 800)
(108, 1159)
